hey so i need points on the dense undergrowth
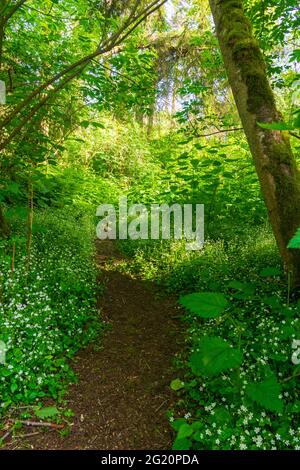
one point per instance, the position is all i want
(237, 384)
(238, 387)
(48, 305)
(102, 99)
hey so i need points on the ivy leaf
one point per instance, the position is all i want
(215, 355)
(266, 394)
(204, 304)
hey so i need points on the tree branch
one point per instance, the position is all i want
(37, 107)
(294, 135)
(13, 10)
(107, 46)
(220, 132)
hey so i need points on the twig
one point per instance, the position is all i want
(294, 135)
(22, 436)
(7, 434)
(41, 423)
(161, 405)
(291, 377)
(219, 132)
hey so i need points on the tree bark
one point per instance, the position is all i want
(275, 164)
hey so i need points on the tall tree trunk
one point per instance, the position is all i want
(273, 158)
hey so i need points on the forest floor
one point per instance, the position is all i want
(123, 389)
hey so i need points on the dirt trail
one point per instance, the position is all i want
(123, 391)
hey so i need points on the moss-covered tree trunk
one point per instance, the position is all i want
(274, 161)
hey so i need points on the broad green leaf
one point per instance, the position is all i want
(177, 423)
(186, 430)
(204, 304)
(276, 126)
(181, 444)
(221, 415)
(215, 355)
(247, 289)
(266, 394)
(47, 412)
(295, 241)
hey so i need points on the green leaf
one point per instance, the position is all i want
(204, 304)
(273, 301)
(293, 407)
(47, 412)
(295, 56)
(13, 387)
(221, 416)
(176, 384)
(177, 423)
(266, 394)
(215, 355)
(245, 289)
(85, 124)
(13, 188)
(185, 430)
(97, 124)
(295, 241)
(276, 126)
(181, 444)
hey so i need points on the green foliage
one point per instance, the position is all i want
(295, 241)
(176, 384)
(111, 133)
(270, 272)
(204, 304)
(46, 412)
(46, 314)
(281, 126)
(240, 385)
(276, 126)
(214, 356)
(266, 394)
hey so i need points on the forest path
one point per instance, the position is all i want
(123, 389)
